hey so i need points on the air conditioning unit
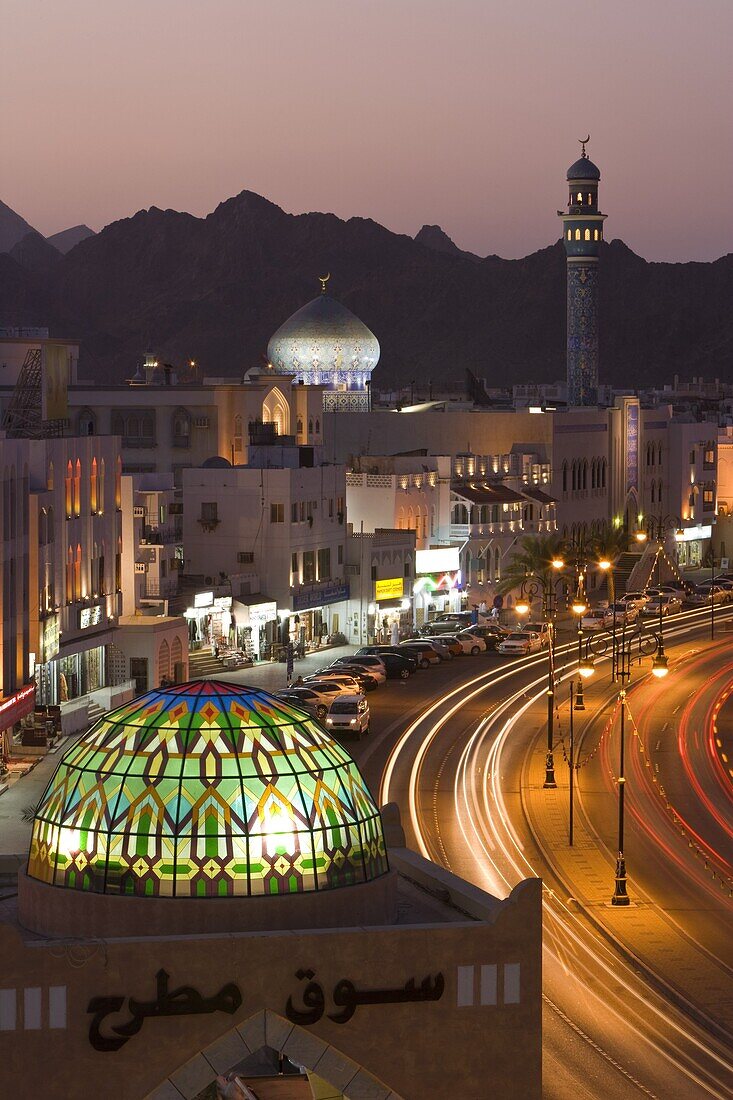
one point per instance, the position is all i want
(201, 422)
(245, 557)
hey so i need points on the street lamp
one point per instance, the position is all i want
(529, 589)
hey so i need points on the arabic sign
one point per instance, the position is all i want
(391, 589)
(632, 446)
(443, 560)
(183, 1001)
(203, 599)
(90, 616)
(347, 998)
(317, 595)
(50, 638)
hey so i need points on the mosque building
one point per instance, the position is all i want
(582, 234)
(325, 344)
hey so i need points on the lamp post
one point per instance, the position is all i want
(623, 666)
(529, 589)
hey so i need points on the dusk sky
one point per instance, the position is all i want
(464, 113)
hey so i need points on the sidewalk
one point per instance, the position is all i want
(586, 874)
(271, 676)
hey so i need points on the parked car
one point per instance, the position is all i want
(444, 651)
(350, 675)
(596, 618)
(622, 614)
(374, 666)
(491, 633)
(426, 654)
(296, 699)
(678, 590)
(349, 713)
(436, 627)
(520, 643)
(319, 694)
(405, 664)
(543, 629)
(633, 599)
(450, 641)
(670, 605)
(704, 593)
(476, 644)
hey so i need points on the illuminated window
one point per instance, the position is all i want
(579, 198)
(94, 486)
(77, 573)
(590, 199)
(577, 234)
(587, 234)
(595, 234)
(49, 476)
(68, 483)
(77, 488)
(101, 486)
(118, 483)
(570, 234)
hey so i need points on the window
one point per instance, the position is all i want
(708, 500)
(330, 507)
(587, 234)
(237, 433)
(374, 572)
(77, 573)
(340, 557)
(49, 476)
(309, 567)
(277, 513)
(692, 457)
(209, 511)
(318, 427)
(245, 557)
(310, 427)
(294, 566)
(302, 511)
(300, 426)
(708, 458)
(590, 199)
(579, 198)
(406, 570)
(118, 484)
(324, 564)
(564, 477)
(181, 429)
(86, 422)
(570, 234)
(595, 234)
(77, 488)
(294, 512)
(69, 575)
(577, 234)
(575, 476)
(94, 487)
(68, 484)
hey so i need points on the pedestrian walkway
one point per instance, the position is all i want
(272, 675)
(586, 873)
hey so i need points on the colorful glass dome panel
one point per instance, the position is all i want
(206, 789)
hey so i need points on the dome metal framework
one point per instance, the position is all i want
(206, 789)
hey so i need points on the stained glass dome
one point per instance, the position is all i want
(206, 789)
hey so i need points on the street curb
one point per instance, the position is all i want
(662, 986)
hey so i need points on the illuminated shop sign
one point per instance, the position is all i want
(50, 638)
(17, 706)
(443, 560)
(632, 446)
(691, 534)
(203, 599)
(319, 595)
(90, 616)
(439, 582)
(391, 589)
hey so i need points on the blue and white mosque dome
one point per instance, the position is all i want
(324, 343)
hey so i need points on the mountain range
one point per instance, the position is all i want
(214, 289)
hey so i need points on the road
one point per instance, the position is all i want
(451, 748)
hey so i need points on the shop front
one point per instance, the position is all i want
(209, 619)
(254, 627)
(438, 586)
(318, 611)
(693, 544)
(13, 709)
(75, 664)
(389, 616)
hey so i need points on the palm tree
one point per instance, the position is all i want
(532, 562)
(608, 545)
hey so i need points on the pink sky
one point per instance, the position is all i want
(463, 113)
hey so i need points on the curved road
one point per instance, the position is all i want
(455, 769)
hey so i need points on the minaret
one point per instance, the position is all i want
(582, 234)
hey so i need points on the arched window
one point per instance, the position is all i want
(577, 234)
(579, 198)
(118, 566)
(564, 477)
(101, 487)
(595, 234)
(410, 519)
(570, 234)
(299, 428)
(69, 489)
(42, 527)
(659, 454)
(49, 476)
(600, 234)
(654, 491)
(77, 573)
(401, 520)
(603, 474)
(659, 492)
(50, 529)
(176, 654)
(118, 483)
(318, 427)
(147, 427)
(587, 234)
(181, 428)
(77, 488)
(310, 427)
(574, 481)
(585, 474)
(69, 575)
(432, 521)
(101, 582)
(86, 422)
(164, 661)
(593, 474)
(497, 563)
(237, 433)
(133, 429)
(94, 487)
(590, 199)
(118, 424)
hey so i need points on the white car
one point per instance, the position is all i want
(597, 618)
(622, 614)
(349, 713)
(704, 593)
(471, 643)
(371, 664)
(670, 605)
(318, 695)
(521, 644)
(543, 629)
(634, 599)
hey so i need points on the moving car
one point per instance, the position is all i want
(397, 663)
(521, 644)
(670, 605)
(349, 713)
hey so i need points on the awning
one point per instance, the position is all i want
(480, 492)
(538, 495)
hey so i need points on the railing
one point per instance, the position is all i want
(162, 588)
